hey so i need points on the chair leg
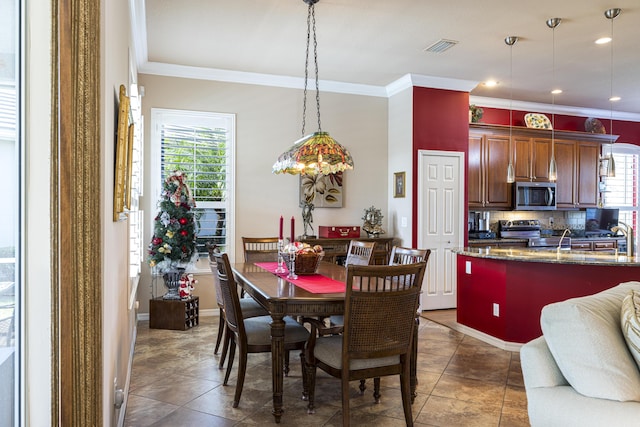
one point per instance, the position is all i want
(232, 354)
(225, 346)
(363, 387)
(242, 370)
(305, 382)
(345, 400)
(221, 328)
(310, 372)
(405, 388)
(376, 389)
(286, 364)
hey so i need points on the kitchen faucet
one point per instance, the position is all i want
(628, 233)
(564, 233)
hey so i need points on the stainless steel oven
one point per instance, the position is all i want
(532, 196)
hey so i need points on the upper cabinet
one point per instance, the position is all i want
(576, 153)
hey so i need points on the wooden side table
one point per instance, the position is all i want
(178, 315)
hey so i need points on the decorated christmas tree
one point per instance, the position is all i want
(174, 242)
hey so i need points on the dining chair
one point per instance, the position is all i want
(250, 335)
(402, 255)
(249, 307)
(260, 249)
(380, 308)
(359, 252)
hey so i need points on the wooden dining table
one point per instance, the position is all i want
(283, 298)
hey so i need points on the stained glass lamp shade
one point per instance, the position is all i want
(317, 153)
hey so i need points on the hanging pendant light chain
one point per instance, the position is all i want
(306, 71)
(315, 59)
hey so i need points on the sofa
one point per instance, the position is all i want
(584, 369)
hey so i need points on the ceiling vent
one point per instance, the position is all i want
(441, 45)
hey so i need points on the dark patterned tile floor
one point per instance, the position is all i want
(175, 381)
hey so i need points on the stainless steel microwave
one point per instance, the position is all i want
(531, 196)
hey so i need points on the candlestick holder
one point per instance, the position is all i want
(291, 263)
(281, 269)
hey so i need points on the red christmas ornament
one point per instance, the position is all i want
(182, 221)
(184, 233)
(157, 240)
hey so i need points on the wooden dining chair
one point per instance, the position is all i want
(250, 335)
(359, 252)
(377, 336)
(249, 307)
(260, 249)
(402, 255)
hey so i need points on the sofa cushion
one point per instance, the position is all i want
(630, 323)
(585, 339)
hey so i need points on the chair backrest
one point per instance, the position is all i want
(260, 249)
(359, 252)
(380, 309)
(400, 255)
(213, 249)
(229, 291)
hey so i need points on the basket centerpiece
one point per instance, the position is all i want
(304, 257)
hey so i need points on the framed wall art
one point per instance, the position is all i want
(398, 184)
(323, 191)
(122, 151)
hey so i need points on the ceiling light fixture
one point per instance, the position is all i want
(553, 167)
(611, 14)
(317, 153)
(511, 173)
(603, 40)
(490, 83)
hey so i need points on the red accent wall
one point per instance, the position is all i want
(522, 289)
(440, 122)
(629, 132)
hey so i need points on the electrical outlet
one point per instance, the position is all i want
(403, 222)
(467, 267)
(496, 309)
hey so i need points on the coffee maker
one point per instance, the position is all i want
(479, 225)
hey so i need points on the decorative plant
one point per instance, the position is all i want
(476, 113)
(174, 242)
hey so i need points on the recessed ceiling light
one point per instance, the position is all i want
(556, 91)
(614, 98)
(490, 83)
(603, 40)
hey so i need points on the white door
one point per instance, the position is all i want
(440, 219)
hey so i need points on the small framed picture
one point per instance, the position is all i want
(398, 184)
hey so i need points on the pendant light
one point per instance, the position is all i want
(553, 167)
(611, 14)
(511, 173)
(317, 153)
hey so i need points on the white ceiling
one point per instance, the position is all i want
(370, 45)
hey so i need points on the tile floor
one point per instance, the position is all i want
(175, 381)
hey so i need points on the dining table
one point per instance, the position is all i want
(314, 295)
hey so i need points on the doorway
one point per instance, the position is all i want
(440, 219)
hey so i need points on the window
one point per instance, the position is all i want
(11, 155)
(201, 145)
(135, 213)
(621, 191)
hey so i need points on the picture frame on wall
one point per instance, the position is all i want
(121, 154)
(323, 191)
(398, 184)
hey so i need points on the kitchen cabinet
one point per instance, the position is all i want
(577, 184)
(590, 244)
(531, 158)
(487, 174)
(497, 243)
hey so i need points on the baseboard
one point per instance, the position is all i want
(504, 345)
(127, 383)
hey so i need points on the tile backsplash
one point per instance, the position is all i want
(553, 220)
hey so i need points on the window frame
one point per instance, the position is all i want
(195, 118)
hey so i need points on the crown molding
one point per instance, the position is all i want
(412, 80)
(552, 108)
(138, 18)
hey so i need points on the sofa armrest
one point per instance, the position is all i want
(539, 368)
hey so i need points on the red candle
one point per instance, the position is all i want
(281, 225)
(293, 229)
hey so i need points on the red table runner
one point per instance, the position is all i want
(314, 283)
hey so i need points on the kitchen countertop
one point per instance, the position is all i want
(551, 256)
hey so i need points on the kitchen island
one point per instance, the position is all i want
(501, 291)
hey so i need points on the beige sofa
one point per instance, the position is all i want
(582, 371)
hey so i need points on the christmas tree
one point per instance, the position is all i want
(174, 241)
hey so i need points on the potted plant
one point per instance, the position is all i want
(475, 113)
(173, 245)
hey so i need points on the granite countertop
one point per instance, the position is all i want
(551, 256)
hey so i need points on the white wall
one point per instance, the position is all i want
(400, 152)
(268, 121)
(118, 325)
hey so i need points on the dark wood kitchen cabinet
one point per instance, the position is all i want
(488, 161)
(531, 158)
(577, 184)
